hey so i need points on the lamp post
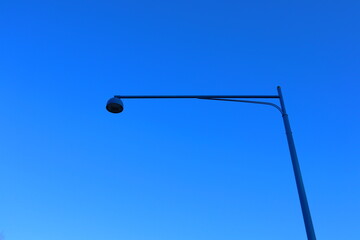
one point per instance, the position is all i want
(115, 105)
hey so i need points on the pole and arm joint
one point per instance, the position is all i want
(246, 101)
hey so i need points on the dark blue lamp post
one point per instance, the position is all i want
(115, 105)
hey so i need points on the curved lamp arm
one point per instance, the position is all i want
(246, 101)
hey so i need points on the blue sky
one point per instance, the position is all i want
(177, 169)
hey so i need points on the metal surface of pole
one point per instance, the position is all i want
(298, 178)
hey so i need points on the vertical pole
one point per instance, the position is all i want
(299, 182)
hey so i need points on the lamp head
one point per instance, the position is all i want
(115, 105)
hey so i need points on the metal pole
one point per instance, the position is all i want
(310, 232)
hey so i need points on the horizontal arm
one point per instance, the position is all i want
(198, 96)
(209, 97)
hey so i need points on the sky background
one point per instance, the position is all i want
(177, 169)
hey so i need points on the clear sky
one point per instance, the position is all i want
(177, 169)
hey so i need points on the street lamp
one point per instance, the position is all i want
(115, 105)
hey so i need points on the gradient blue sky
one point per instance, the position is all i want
(177, 169)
